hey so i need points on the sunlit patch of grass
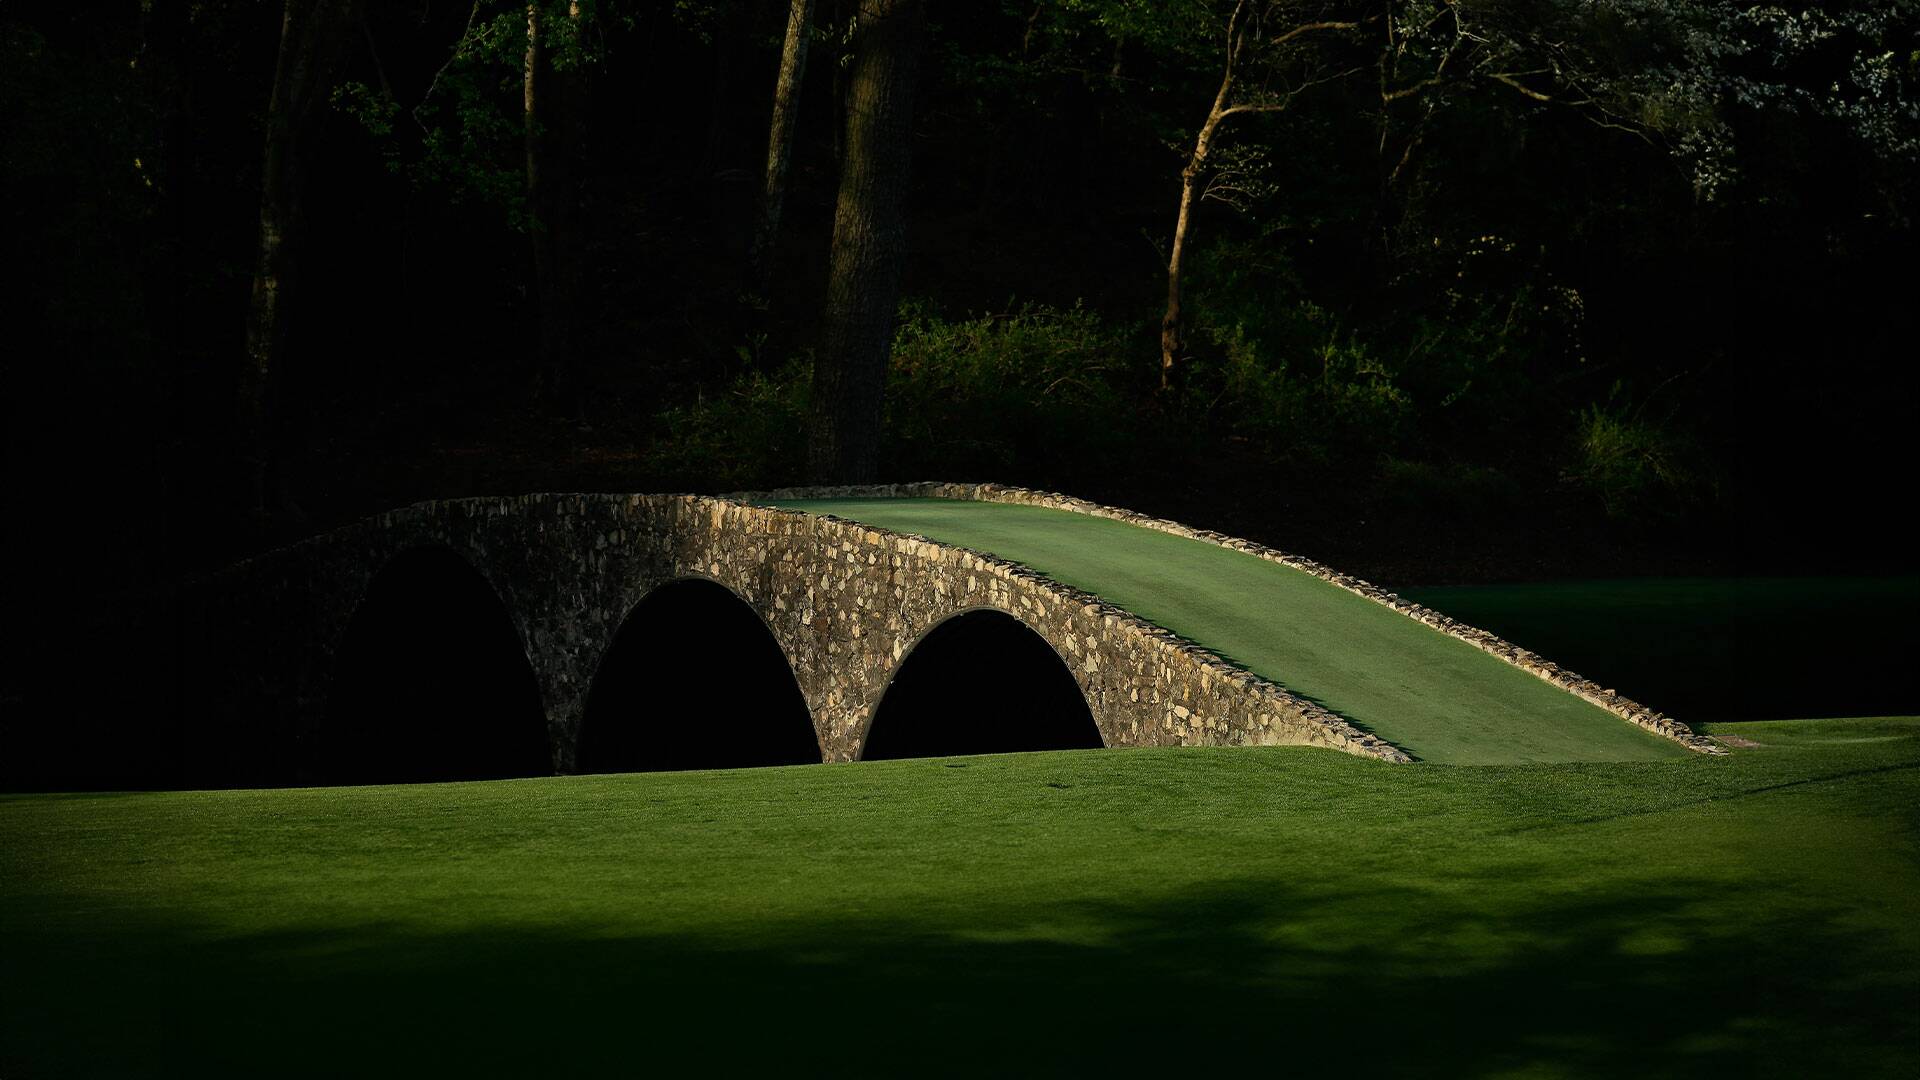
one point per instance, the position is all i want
(1113, 911)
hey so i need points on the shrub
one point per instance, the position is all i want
(1333, 400)
(1488, 354)
(1042, 388)
(1638, 466)
(751, 434)
(1037, 391)
(1456, 490)
(1468, 352)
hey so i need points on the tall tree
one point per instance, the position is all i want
(551, 89)
(869, 243)
(786, 100)
(310, 36)
(1262, 70)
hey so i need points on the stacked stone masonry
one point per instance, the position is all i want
(845, 602)
(1586, 689)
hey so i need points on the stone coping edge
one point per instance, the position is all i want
(1532, 663)
(1337, 731)
(1340, 733)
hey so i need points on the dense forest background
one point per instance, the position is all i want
(1481, 291)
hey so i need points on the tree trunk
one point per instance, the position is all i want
(550, 113)
(1172, 339)
(869, 244)
(1172, 324)
(786, 100)
(310, 34)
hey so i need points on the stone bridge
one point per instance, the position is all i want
(846, 605)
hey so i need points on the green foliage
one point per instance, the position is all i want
(1470, 365)
(1486, 357)
(704, 19)
(1638, 465)
(1698, 74)
(1057, 41)
(1193, 29)
(1285, 373)
(1036, 386)
(751, 434)
(1332, 401)
(374, 109)
(376, 113)
(1454, 489)
(471, 123)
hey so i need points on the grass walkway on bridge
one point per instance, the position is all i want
(1440, 699)
(1173, 912)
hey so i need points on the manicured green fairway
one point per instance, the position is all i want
(1439, 699)
(1280, 911)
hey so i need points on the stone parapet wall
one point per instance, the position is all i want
(848, 602)
(253, 645)
(1144, 685)
(845, 602)
(1586, 689)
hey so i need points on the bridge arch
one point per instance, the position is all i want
(694, 678)
(430, 680)
(979, 681)
(846, 605)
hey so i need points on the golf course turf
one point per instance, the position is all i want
(1614, 907)
(1439, 699)
(1282, 910)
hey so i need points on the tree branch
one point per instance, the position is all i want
(1309, 28)
(1410, 90)
(459, 47)
(1286, 101)
(1501, 76)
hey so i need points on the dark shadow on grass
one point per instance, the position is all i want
(1725, 796)
(1261, 976)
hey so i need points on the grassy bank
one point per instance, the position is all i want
(1116, 910)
